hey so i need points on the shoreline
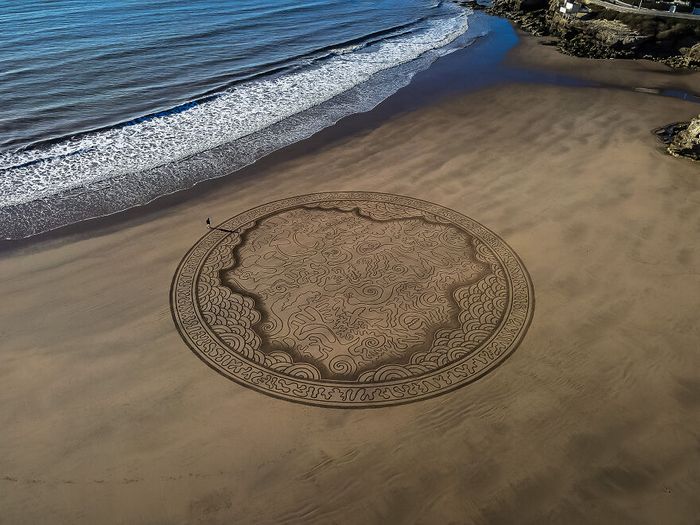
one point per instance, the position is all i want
(124, 166)
(515, 55)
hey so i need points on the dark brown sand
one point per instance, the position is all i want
(107, 417)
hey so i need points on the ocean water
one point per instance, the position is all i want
(107, 105)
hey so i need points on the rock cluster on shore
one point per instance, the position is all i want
(686, 142)
(599, 38)
(603, 33)
(682, 139)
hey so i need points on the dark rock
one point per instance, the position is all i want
(476, 5)
(686, 141)
(691, 55)
(666, 134)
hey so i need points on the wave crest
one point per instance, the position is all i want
(140, 161)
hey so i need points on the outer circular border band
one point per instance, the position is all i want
(491, 353)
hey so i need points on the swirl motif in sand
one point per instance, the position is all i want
(352, 299)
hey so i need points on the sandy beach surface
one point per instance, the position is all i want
(108, 417)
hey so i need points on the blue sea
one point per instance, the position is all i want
(110, 104)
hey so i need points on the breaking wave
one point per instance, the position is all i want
(53, 184)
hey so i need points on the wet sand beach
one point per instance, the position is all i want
(108, 417)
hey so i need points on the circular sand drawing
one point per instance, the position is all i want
(352, 299)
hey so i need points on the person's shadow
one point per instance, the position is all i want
(217, 228)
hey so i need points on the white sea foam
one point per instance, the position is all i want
(114, 169)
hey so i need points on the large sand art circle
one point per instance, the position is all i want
(352, 299)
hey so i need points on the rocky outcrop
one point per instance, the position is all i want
(603, 33)
(682, 139)
(690, 56)
(686, 142)
(598, 38)
(529, 15)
